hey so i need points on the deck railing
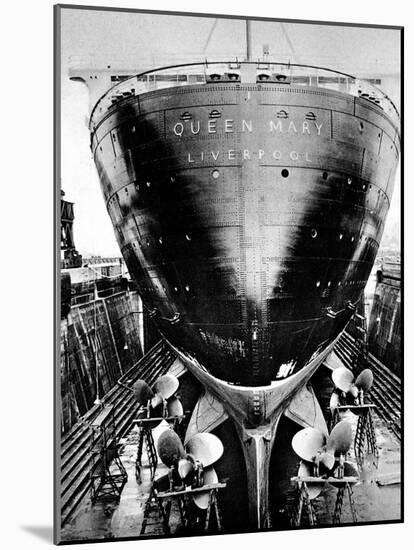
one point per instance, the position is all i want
(242, 72)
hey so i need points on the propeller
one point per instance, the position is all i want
(159, 400)
(320, 453)
(340, 439)
(206, 448)
(342, 378)
(169, 448)
(194, 463)
(310, 445)
(142, 392)
(365, 380)
(344, 381)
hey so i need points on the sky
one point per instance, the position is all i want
(142, 41)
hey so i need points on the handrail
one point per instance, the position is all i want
(138, 84)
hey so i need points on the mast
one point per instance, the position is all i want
(248, 41)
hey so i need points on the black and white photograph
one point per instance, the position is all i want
(229, 272)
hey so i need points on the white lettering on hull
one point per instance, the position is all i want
(246, 154)
(229, 126)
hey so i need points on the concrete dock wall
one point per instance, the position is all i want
(100, 340)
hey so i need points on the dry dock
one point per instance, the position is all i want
(377, 485)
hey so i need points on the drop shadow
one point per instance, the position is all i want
(42, 532)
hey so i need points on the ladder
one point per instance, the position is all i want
(365, 442)
(304, 507)
(146, 437)
(360, 359)
(304, 511)
(107, 474)
(345, 487)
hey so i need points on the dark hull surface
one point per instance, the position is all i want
(249, 215)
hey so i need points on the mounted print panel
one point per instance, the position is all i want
(230, 298)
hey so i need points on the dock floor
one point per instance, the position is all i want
(377, 496)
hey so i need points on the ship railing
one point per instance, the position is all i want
(243, 72)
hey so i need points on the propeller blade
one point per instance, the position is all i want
(314, 489)
(166, 385)
(205, 447)
(201, 499)
(157, 400)
(340, 438)
(175, 407)
(169, 448)
(365, 380)
(334, 401)
(307, 443)
(185, 469)
(349, 471)
(342, 378)
(353, 390)
(142, 392)
(327, 460)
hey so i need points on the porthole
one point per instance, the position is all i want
(325, 175)
(172, 179)
(160, 240)
(285, 173)
(361, 127)
(349, 181)
(215, 174)
(187, 288)
(314, 233)
(339, 283)
(148, 184)
(318, 283)
(175, 289)
(188, 237)
(133, 129)
(340, 236)
(352, 239)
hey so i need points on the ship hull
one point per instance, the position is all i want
(249, 215)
